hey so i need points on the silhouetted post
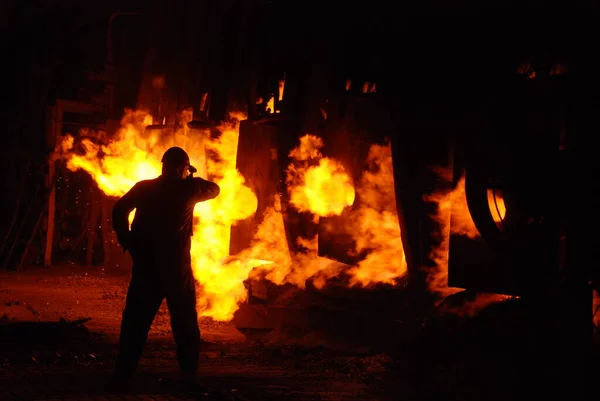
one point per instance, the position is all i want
(53, 126)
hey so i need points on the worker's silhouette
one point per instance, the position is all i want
(159, 243)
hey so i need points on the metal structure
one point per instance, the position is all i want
(517, 159)
(448, 101)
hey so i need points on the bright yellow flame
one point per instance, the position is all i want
(134, 155)
(374, 226)
(271, 105)
(321, 186)
(324, 188)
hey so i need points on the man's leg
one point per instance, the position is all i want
(181, 300)
(143, 301)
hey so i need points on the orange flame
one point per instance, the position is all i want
(374, 224)
(271, 105)
(559, 68)
(317, 184)
(497, 206)
(281, 87)
(270, 242)
(324, 189)
(135, 153)
(526, 69)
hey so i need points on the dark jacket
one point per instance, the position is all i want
(163, 210)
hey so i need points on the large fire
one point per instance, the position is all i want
(321, 186)
(316, 184)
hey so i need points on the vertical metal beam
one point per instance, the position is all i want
(54, 129)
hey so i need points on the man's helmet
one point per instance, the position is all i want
(175, 157)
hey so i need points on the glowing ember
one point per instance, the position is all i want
(281, 87)
(271, 105)
(497, 206)
(526, 69)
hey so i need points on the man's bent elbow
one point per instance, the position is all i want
(214, 190)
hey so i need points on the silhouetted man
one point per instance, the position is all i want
(159, 244)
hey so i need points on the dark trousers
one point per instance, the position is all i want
(146, 293)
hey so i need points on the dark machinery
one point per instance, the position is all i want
(505, 131)
(449, 102)
(514, 170)
(519, 185)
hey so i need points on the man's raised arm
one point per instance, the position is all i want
(204, 190)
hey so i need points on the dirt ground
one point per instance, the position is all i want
(44, 357)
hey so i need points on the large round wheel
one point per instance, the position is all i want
(506, 205)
